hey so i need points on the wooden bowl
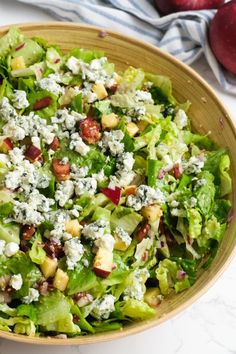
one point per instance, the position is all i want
(207, 114)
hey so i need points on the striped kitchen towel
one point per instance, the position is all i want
(182, 34)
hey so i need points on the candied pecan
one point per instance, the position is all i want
(27, 232)
(53, 249)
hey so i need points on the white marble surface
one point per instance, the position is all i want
(208, 326)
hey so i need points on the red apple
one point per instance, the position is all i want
(113, 194)
(169, 6)
(33, 153)
(5, 144)
(222, 35)
(103, 263)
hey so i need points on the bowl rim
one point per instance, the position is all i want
(142, 325)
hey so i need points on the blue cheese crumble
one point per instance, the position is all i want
(145, 196)
(103, 307)
(86, 185)
(19, 99)
(74, 251)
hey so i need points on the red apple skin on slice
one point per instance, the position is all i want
(103, 263)
(168, 6)
(33, 153)
(5, 145)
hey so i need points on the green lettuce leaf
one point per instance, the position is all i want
(211, 230)
(161, 90)
(85, 54)
(52, 308)
(195, 223)
(81, 279)
(225, 179)
(21, 263)
(37, 253)
(205, 194)
(137, 310)
(166, 274)
(13, 37)
(126, 218)
(131, 80)
(46, 112)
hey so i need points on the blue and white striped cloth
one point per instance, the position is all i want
(182, 34)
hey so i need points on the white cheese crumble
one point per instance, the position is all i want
(74, 251)
(100, 176)
(136, 287)
(91, 72)
(125, 161)
(145, 196)
(13, 131)
(33, 295)
(58, 219)
(24, 213)
(64, 192)
(112, 141)
(39, 202)
(144, 96)
(103, 307)
(124, 174)
(78, 145)
(20, 99)
(65, 120)
(123, 235)
(105, 241)
(181, 119)
(16, 281)
(78, 172)
(193, 165)
(16, 155)
(11, 249)
(86, 185)
(49, 84)
(36, 141)
(95, 230)
(7, 112)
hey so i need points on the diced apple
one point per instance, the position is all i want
(73, 227)
(18, 63)
(119, 244)
(49, 267)
(113, 194)
(60, 280)
(103, 263)
(132, 129)
(100, 91)
(33, 153)
(109, 121)
(153, 297)
(5, 144)
(152, 212)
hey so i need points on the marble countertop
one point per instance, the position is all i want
(208, 326)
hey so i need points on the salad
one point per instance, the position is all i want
(109, 202)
